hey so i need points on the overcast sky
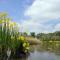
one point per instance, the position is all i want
(34, 15)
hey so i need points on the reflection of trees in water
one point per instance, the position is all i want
(14, 58)
(52, 46)
(23, 58)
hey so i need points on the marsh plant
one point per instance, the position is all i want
(10, 37)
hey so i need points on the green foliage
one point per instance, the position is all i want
(57, 33)
(50, 41)
(9, 33)
(32, 34)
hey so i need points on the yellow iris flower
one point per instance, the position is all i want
(24, 44)
(27, 48)
(12, 24)
(21, 37)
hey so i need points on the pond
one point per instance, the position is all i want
(36, 54)
(43, 56)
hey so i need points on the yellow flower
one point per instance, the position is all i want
(27, 48)
(12, 24)
(24, 44)
(22, 38)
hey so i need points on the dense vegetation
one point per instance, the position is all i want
(50, 41)
(10, 36)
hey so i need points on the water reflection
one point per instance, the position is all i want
(38, 53)
(43, 56)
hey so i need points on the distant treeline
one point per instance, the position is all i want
(49, 36)
(48, 41)
(45, 36)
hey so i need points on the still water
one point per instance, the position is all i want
(41, 55)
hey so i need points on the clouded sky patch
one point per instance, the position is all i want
(42, 12)
(34, 15)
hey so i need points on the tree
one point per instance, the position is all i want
(25, 34)
(57, 33)
(32, 34)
